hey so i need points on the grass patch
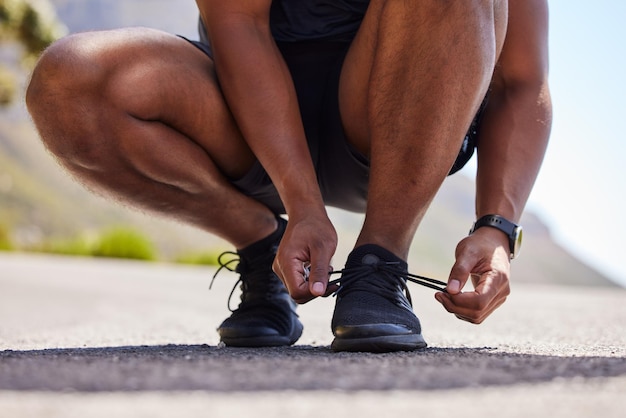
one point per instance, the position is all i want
(117, 242)
(122, 242)
(6, 244)
(77, 246)
(203, 258)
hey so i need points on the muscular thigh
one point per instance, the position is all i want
(161, 78)
(356, 72)
(354, 81)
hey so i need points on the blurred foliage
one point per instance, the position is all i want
(79, 246)
(6, 243)
(204, 258)
(117, 242)
(32, 24)
(122, 242)
(8, 86)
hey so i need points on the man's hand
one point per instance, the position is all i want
(483, 256)
(307, 240)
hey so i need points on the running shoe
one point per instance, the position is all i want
(373, 311)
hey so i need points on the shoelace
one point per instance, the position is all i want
(234, 265)
(421, 280)
(349, 277)
(354, 278)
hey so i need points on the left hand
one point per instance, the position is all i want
(485, 257)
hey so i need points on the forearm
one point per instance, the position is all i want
(516, 125)
(259, 91)
(512, 142)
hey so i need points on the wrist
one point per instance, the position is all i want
(304, 204)
(507, 229)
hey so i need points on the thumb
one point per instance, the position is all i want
(459, 275)
(319, 274)
(318, 279)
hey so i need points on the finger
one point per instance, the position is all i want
(477, 311)
(292, 275)
(468, 315)
(471, 301)
(479, 317)
(320, 272)
(302, 294)
(459, 274)
(489, 287)
(491, 290)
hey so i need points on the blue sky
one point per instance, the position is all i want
(580, 191)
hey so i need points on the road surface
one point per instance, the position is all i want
(105, 338)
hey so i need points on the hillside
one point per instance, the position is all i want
(38, 200)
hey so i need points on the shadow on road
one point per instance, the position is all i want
(202, 367)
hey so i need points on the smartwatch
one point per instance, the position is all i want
(512, 231)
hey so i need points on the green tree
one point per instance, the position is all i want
(32, 24)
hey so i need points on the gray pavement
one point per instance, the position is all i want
(85, 338)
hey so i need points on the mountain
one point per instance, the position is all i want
(37, 199)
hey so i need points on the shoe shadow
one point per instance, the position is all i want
(210, 368)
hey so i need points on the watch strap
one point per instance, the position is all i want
(501, 223)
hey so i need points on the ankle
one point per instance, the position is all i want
(266, 244)
(359, 254)
(396, 249)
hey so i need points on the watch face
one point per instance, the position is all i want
(517, 241)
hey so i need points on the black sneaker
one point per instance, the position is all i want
(266, 316)
(373, 311)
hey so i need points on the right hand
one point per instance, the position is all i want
(308, 239)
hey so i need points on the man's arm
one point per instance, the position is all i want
(513, 138)
(259, 91)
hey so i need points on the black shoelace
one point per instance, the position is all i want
(350, 278)
(356, 278)
(248, 286)
(391, 267)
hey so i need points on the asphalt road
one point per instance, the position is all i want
(84, 338)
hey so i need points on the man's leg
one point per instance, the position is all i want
(137, 115)
(411, 84)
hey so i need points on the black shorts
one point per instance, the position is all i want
(342, 172)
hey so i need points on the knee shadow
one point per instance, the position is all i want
(210, 368)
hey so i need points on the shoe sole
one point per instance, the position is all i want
(376, 338)
(381, 344)
(259, 342)
(263, 340)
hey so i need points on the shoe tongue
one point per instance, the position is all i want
(373, 254)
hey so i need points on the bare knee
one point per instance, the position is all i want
(90, 91)
(66, 69)
(57, 97)
(77, 93)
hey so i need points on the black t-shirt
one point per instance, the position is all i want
(302, 20)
